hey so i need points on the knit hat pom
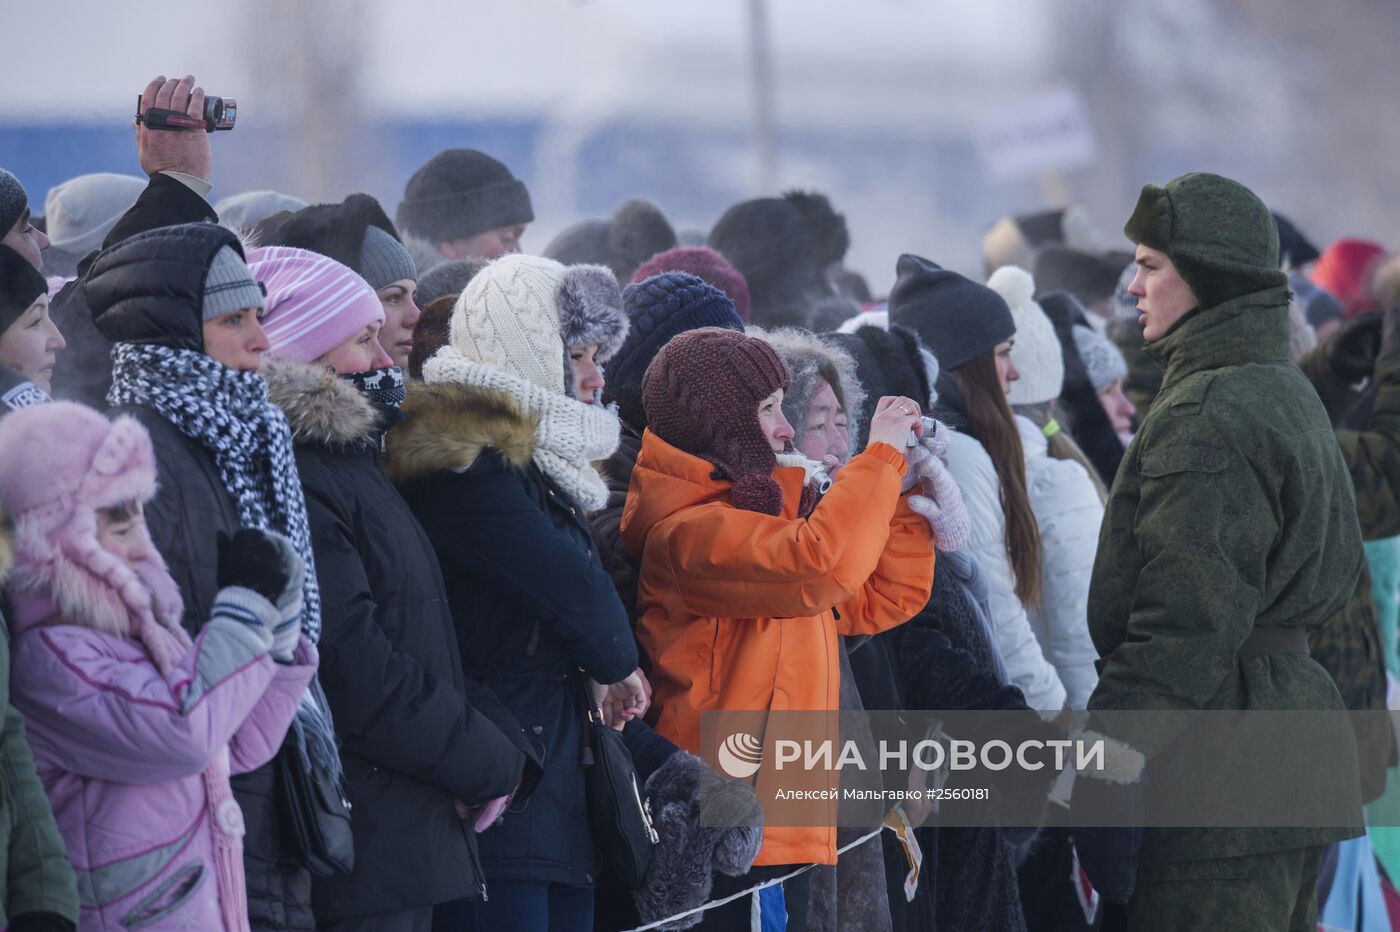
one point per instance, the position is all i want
(757, 492)
(1014, 284)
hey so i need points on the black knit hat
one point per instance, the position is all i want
(827, 228)
(701, 394)
(769, 241)
(341, 232)
(956, 317)
(637, 231)
(1294, 249)
(20, 285)
(459, 193)
(659, 308)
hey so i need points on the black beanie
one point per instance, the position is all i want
(957, 318)
(20, 285)
(459, 193)
(341, 232)
(1294, 249)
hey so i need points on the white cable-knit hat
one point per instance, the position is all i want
(1036, 352)
(508, 317)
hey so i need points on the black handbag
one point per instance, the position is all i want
(617, 813)
(315, 816)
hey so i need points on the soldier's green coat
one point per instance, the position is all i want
(1351, 647)
(1232, 510)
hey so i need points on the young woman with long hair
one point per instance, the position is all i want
(969, 328)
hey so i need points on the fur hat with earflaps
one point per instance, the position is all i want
(590, 312)
(701, 395)
(60, 464)
(1219, 235)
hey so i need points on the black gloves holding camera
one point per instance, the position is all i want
(253, 560)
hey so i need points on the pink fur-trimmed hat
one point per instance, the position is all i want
(60, 463)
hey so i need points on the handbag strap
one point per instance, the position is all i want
(592, 717)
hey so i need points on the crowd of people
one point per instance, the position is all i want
(332, 535)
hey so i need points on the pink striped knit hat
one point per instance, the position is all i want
(314, 304)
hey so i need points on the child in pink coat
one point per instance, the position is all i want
(134, 726)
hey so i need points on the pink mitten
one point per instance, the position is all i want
(941, 504)
(917, 457)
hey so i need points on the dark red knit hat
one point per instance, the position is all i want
(701, 395)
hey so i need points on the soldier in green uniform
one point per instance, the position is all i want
(1229, 535)
(1352, 646)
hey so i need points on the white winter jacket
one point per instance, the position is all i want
(972, 468)
(1068, 510)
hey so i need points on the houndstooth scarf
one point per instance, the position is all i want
(227, 412)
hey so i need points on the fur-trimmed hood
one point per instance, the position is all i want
(808, 358)
(447, 426)
(321, 407)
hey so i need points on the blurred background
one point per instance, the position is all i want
(923, 121)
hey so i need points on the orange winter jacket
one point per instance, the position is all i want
(740, 610)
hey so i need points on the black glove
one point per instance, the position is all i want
(1352, 349)
(41, 922)
(252, 560)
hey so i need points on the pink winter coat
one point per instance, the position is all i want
(121, 749)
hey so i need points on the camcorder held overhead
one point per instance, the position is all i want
(220, 113)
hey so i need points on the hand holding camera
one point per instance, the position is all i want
(162, 143)
(895, 418)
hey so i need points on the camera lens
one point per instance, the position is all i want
(214, 108)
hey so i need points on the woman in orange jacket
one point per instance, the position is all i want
(747, 577)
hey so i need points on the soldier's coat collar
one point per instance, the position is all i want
(1252, 328)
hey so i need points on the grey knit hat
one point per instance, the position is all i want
(13, 201)
(449, 277)
(459, 193)
(229, 285)
(246, 210)
(384, 260)
(80, 212)
(1102, 359)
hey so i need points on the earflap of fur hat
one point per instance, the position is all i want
(590, 310)
(1151, 222)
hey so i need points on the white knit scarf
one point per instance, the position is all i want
(571, 435)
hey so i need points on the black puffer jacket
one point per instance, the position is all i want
(147, 289)
(411, 739)
(84, 368)
(530, 598)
